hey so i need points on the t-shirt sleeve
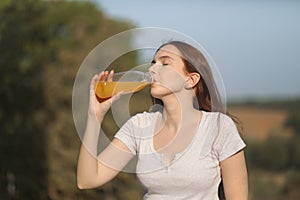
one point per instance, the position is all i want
(127, 136)
(228, 140)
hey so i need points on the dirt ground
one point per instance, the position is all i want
(259, 123)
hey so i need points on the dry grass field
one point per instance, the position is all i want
(258, 123)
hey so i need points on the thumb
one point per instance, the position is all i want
(117, 96)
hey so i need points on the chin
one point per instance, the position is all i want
(155, 94)
(160, 92)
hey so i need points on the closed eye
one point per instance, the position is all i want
(165, 63)
(165, 60)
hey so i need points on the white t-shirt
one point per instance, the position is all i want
(195, 172)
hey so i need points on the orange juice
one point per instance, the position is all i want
(105, 90)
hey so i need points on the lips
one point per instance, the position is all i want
(154, 81)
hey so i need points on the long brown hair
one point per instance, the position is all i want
(207, 96)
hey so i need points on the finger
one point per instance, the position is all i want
(110, 76)
(117, 96)
(95, 80)
(103, 76)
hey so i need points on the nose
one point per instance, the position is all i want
(152, 69)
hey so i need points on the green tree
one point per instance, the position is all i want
(293, 120)
(80, 27)
(270, 154)
(23, 37)
(42, 44)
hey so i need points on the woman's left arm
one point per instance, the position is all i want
(234, 175)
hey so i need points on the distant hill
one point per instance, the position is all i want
(276, 103)
(261, 118)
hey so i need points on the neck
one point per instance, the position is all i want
(176, 109)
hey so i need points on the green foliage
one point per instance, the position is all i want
(276, 155)
(42, 44)
(22, 38)
(265, 188)
(294, 152)
(292, 185)
(293, 120)
(271, 154)
(284, 104)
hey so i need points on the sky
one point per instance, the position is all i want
(255, 44)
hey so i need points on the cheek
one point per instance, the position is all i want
(171, 78)
(169, 81)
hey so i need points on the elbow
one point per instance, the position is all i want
(82, 185)
(85, 184)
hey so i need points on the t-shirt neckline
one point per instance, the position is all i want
(180, 154)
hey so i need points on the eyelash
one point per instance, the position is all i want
(163, 64)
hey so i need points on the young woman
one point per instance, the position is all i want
(184, 150)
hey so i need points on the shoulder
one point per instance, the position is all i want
(144, 119)
(220, 118)
(137, 125)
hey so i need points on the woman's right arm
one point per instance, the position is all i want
(92, 170)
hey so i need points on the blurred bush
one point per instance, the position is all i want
(42, 44)
(271, 154)
(291, 188)
(274, 163)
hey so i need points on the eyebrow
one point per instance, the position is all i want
(165, 57)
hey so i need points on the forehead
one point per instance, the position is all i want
(169, 50)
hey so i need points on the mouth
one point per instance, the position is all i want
(152, 84)
(154, 81)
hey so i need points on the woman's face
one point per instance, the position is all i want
(168, 72)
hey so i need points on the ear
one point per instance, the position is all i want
(192, 80)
